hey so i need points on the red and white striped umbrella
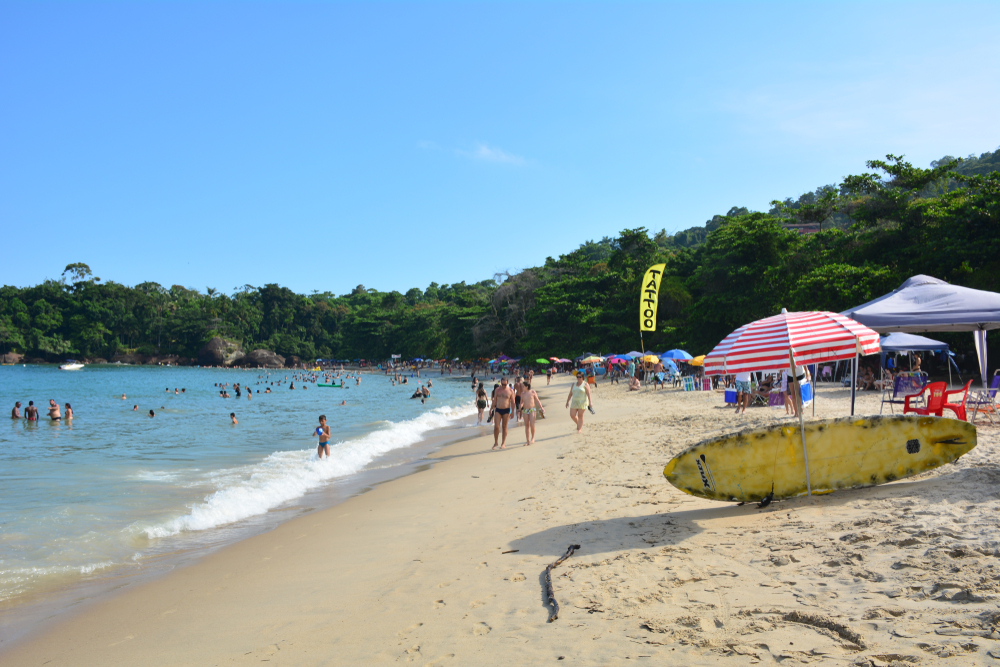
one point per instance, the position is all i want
(812, 337)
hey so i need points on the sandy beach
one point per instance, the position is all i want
(415, 570)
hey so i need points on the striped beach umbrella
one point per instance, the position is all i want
(771, 344)
(791, 339)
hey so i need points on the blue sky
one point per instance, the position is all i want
(325, 145)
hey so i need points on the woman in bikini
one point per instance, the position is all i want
(530, 407)
(481, 403)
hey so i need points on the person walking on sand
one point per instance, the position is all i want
(530, 406)
(579, 399)
(323, 431)
(481, 403)
(503, 401)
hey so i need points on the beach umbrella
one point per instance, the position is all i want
(791, 339)
(592, 360)
(565, 361)
(633, 354)
(675, 354)
(651, 358)
(542, 361)
(503, 357)
(697, 361)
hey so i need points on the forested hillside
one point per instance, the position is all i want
(878, 228)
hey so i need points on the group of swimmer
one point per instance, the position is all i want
(31, 412)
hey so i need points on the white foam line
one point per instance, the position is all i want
(285, 476)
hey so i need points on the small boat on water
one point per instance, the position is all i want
(71, 365)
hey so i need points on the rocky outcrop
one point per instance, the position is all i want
(221, 352)
(11, 358)
(292, 361)
(263, 359)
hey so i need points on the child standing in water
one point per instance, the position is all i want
(323, 431)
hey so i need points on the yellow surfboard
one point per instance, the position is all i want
(844, 453)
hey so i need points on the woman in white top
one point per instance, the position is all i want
(579, 399)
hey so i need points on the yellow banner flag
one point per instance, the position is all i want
(650, 297)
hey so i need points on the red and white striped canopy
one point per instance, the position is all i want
(812, 336)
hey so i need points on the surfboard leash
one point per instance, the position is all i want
(549, 592)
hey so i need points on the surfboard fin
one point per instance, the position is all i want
(766, 500)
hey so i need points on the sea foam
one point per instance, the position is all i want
(284, 476)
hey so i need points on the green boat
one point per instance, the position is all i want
(339, 386)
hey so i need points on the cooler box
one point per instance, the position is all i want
(731, 396)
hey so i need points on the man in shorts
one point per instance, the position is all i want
(742, 391)
(503, 400)
(54, 413)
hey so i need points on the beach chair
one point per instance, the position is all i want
(706, 384)
(957, 407)
(934, 402)
(902, 387)
(985, 400)
(689, 383)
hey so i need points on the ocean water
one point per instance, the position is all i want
(115, 489)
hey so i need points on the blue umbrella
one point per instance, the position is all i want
(676, 354)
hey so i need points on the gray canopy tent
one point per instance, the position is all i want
(924, 303)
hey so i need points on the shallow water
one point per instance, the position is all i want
(116, 488)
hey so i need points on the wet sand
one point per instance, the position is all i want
(414, 571)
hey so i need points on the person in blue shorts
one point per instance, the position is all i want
(323, 431)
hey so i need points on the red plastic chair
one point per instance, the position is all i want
(935, 400)
(958, 408)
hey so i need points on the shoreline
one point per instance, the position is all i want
(35, 611)
(415, 570)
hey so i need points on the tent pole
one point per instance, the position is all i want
(814, 386)
(947, 361)
(854, 381)
(802, 424)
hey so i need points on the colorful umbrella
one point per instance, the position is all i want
(542, 361)
(565, 361)
(651, 358)
(555, 359)
(592, 360)
(791, 339)
(809, 337)
(697, 361)
(676, 354)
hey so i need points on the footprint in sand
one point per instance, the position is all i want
(476, 604)
(516, 577)
(442, 659)
(438, 604)
(480, 629)
(408, 630)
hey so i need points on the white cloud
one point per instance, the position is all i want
(491, 154)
